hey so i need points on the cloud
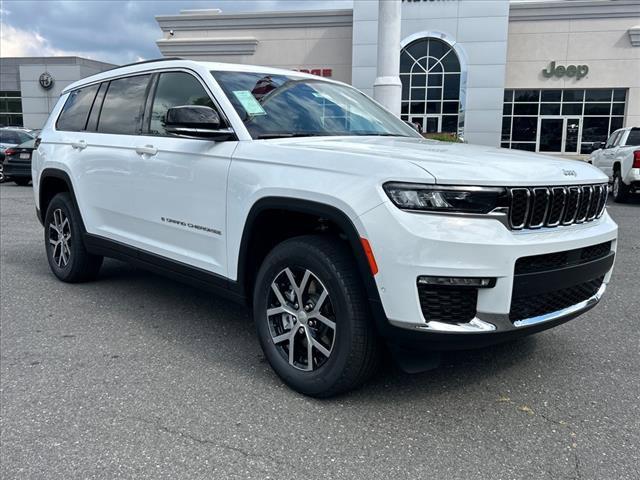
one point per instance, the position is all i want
(15, 42)
(115, 31)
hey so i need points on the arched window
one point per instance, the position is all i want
(430, 74)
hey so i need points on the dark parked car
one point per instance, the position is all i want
(17, 162)
(9, 137)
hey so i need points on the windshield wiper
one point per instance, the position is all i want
(377, 134)
(264, 136)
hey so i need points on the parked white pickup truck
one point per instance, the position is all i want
(619, 158)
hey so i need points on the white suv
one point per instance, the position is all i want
(335, 220)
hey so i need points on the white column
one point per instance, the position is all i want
(387, 88)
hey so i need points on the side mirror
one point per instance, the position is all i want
(196, 121)
(597, 146)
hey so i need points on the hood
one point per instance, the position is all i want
(457, 163)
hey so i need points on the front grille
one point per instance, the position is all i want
(525, 306)
(448, 304)
(550, 261)
(537, 207)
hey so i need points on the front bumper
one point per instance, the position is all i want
(422, 244)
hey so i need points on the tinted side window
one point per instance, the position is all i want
(634, 137)
(76, 109)
(175, 89)
(124, 105)
(612, 139)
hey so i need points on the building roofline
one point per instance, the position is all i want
(278, 19)
(65, 60)
(575, 9)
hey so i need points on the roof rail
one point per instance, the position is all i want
(164, 59)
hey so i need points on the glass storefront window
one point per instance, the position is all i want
(10, 108)
(430, 76)
(561, 121)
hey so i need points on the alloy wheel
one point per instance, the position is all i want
(616, 186)
(60, 238)
(301, 318)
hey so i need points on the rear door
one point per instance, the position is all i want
(109, 183)
(181, 183)
(67, 141)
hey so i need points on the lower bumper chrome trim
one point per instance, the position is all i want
(565, 312)
(501, 323)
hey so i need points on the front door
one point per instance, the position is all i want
(182, 182)
(559, 134)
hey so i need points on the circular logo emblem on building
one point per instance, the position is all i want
(46, 80)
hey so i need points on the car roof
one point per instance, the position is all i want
(164, 63)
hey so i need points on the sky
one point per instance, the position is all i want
(114, 31)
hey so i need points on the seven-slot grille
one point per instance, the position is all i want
(537, 207)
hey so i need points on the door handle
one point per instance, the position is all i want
(79, 145)
(147, 150)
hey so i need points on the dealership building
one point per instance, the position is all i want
(548, 76)
(30, 86)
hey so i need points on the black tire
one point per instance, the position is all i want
(619, 190)
(354, 353)
(80, 265)
(22, 181)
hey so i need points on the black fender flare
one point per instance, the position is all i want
(334, 215)
(60, 175)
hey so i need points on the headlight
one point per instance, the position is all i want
(444, 198)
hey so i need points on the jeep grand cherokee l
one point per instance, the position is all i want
(332, 218)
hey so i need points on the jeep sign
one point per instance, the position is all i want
(560, 71)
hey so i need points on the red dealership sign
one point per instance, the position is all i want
(321, 72)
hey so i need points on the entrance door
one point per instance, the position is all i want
(559, 134)
(428, 123)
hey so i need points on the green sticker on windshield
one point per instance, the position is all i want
(249, 102)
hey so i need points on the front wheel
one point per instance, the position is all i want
(312, 316)
(620, 191)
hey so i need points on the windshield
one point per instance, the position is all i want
(28, 144)
(14, 137)
(273, 106)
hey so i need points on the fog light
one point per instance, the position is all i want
(476, 282)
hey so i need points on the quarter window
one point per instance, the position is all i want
(76, 109)
(175, 89)
(123, 105)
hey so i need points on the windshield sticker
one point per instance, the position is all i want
(249, 102)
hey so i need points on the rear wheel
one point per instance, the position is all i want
(66, 253)
(312, 316)
(22, 181)
(620, 191)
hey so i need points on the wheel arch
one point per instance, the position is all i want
(617, 166)
(301, 207)
(53, 181)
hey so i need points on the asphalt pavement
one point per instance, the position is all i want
(140, 377)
